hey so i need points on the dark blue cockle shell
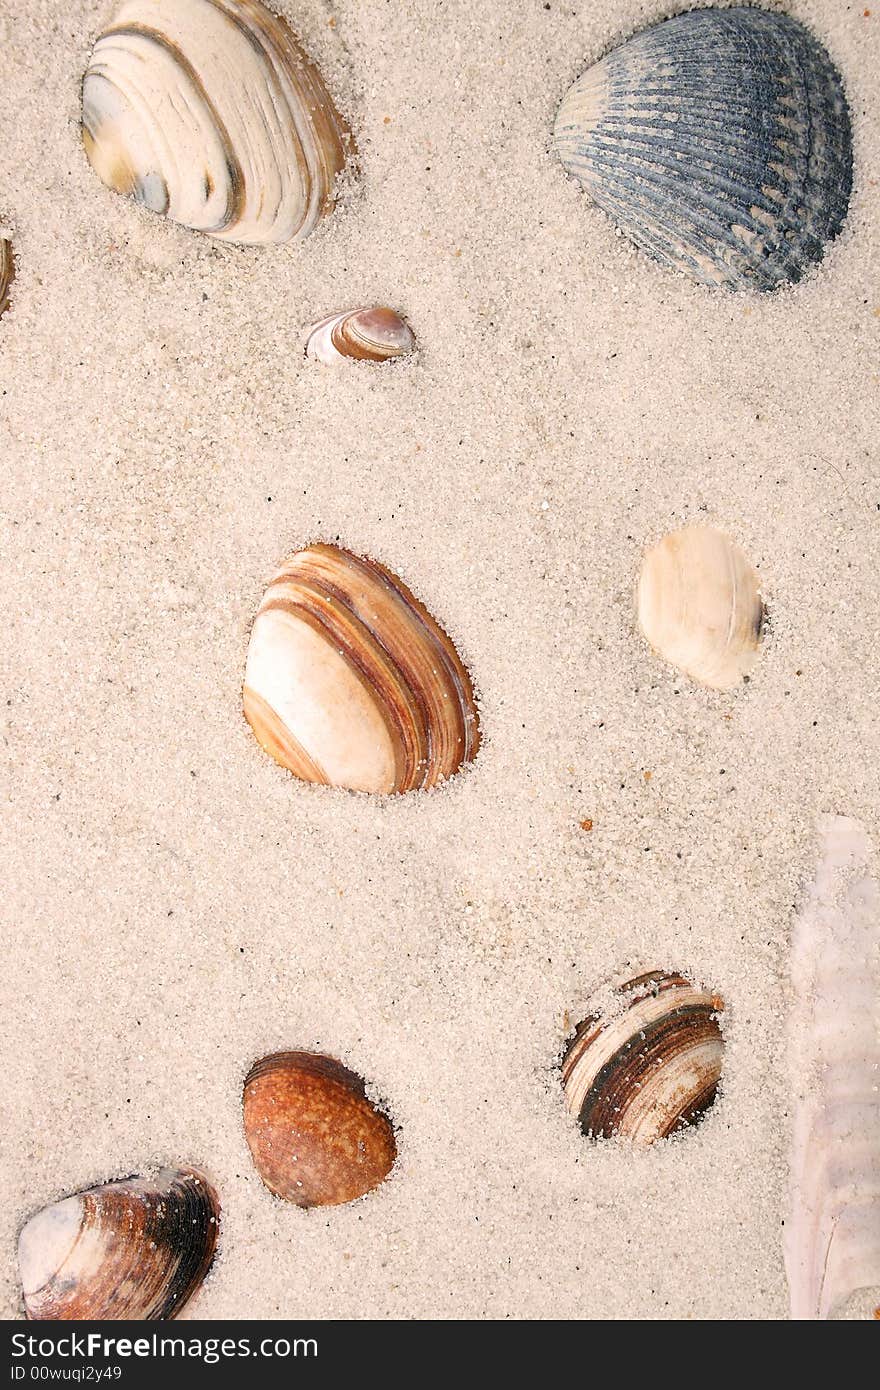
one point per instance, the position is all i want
(720, 143)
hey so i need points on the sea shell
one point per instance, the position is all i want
(210, 112)
(367, 335)
(126, 1251)
(720, 143)
(832, 1237)
(350, 681)
(649, 1070)
(700, 607)
(7, 271)
(315, 1138)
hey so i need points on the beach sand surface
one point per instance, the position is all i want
(174, 904)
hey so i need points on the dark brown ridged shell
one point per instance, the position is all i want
(7, 272)
(133, 1250)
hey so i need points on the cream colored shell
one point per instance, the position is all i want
(699, 605)
(210, 112)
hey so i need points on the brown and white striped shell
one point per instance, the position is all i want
(127, 1251)
(365, 335)
(350, 682)
(7, 271)
(700, 606)
(649, 1070)
(315, 1138)
(209, 112)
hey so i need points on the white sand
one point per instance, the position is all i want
(175, 904)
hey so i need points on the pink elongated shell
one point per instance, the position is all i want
(832, 1235)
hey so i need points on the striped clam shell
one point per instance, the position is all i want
(366, 335)
(832, 1235)
(125, 1251)
(650, 1070)
(315, 1138)
(720, 143)
(350, 681)
(7, 271)
(700, 607)
(210, 112)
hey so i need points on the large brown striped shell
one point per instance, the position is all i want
(125, 1251)
(350, 681)
(209, 112)
(362, 335)
(650, 1070)
(315, 1138)
(7, 271)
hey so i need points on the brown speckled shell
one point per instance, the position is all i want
(315, 1138)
